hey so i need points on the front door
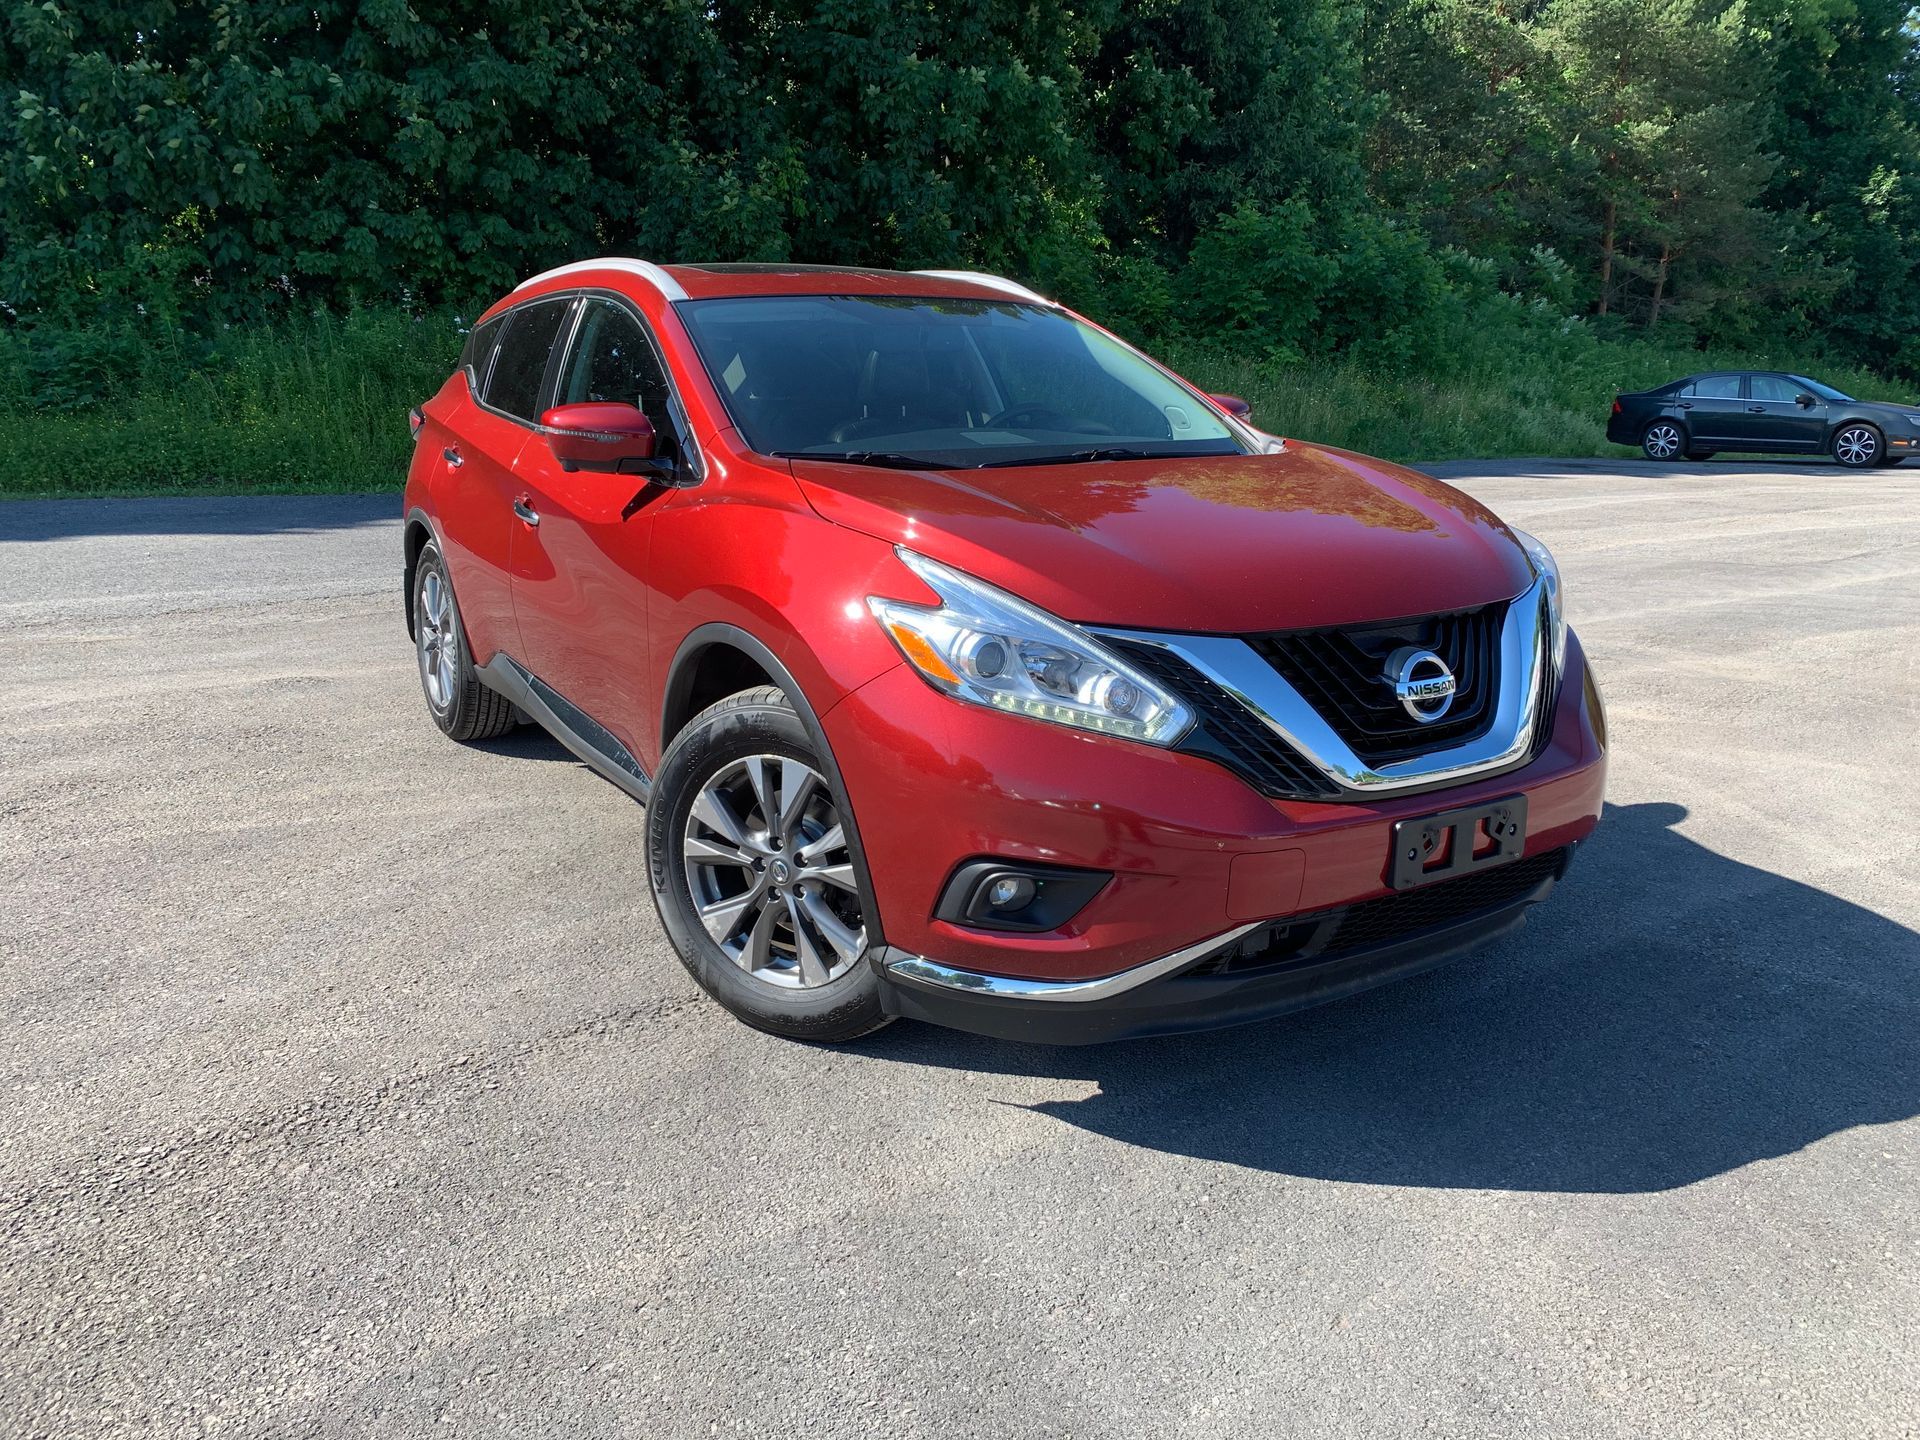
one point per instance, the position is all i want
(1776, 420)
(580, 573)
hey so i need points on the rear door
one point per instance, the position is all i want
(474, 491)
(1775, 418)
(1713, 407)
(580, 574)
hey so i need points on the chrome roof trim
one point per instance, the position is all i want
(1237, 668)
(653, 274)
(1104, 987)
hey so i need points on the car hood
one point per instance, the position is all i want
(1884, 407)
(1234, 543)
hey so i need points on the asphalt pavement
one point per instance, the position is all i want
(352, 1090)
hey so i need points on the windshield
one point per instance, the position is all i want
(1825, 392)
(941, 383)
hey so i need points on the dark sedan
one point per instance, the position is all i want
(1763, 410)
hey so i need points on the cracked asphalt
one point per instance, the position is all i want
(351, 1088)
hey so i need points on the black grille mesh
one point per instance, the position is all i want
(1229, 733)
(1329, 934)
(1342, 674)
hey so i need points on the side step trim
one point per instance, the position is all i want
(589, 740)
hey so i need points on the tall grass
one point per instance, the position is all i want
(320, 403)
(317, 403)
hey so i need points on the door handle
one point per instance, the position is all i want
(1756, 409)
(452, 457)
(526, 512)
(1686, 404)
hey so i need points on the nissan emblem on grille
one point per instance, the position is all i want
(1422, 682)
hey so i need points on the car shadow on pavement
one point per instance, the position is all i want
(1668, 1015)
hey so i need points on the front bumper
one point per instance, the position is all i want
(1192, 989)
(1194, 851)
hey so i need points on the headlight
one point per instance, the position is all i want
(986, 647)
(1546, 568)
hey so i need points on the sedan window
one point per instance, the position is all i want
(1717, 387)
(1774, 387)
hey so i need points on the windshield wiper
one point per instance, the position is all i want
(890, 459)
(1078, 457)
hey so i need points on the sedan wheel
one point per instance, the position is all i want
(1857, 446)
(1663, 441)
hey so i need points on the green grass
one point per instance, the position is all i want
(320, 404)
(316, 405)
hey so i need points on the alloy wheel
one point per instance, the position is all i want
(1856, 445)
(772, 879)
(438, 639)
(1663, 441)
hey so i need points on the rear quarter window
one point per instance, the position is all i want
(476, 358)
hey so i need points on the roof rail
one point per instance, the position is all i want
(645, 269)
(992, 282)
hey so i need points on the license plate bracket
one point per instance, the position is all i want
(1455, 842)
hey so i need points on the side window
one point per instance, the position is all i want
(522, 363)
(1772, 387)
(1718, 387)
(477, 357)
(612, 359)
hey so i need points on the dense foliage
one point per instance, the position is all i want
(1294, 182)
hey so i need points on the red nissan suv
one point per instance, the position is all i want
(974, 667)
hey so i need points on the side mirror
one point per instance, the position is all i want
(601, 435)
(1806, 401)
(1233, 405)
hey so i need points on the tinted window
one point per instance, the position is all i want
(522, 363)
(1717, 387)
(612, 359)
(1772, 387)
(478, 354)
(958, 382)
(1824, 392)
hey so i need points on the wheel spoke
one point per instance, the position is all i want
(834, 839)
(713, 811)
(849, 943)
(796, 788)
(763, 793)
(813, 969)
(757, 953)
(722, 917)
(840, 875)
(716, 853)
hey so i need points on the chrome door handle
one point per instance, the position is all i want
(526, 512)
(452, 457)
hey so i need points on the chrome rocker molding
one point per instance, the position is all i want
(1235, 667)
(1105, 987)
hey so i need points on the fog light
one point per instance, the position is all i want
(988, 894)
(1010, 892)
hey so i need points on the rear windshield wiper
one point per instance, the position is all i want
(1077, 457)
(890, 459)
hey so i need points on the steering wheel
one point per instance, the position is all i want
(1044, 418)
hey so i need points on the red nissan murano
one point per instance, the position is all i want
(973, 667)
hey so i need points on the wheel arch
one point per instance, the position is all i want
(418, 531)
(717, 649)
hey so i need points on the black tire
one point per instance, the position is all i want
(719, 740)
(461, 705)
(1664, 440)
(1858, 445)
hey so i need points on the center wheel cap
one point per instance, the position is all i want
(782, 872)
